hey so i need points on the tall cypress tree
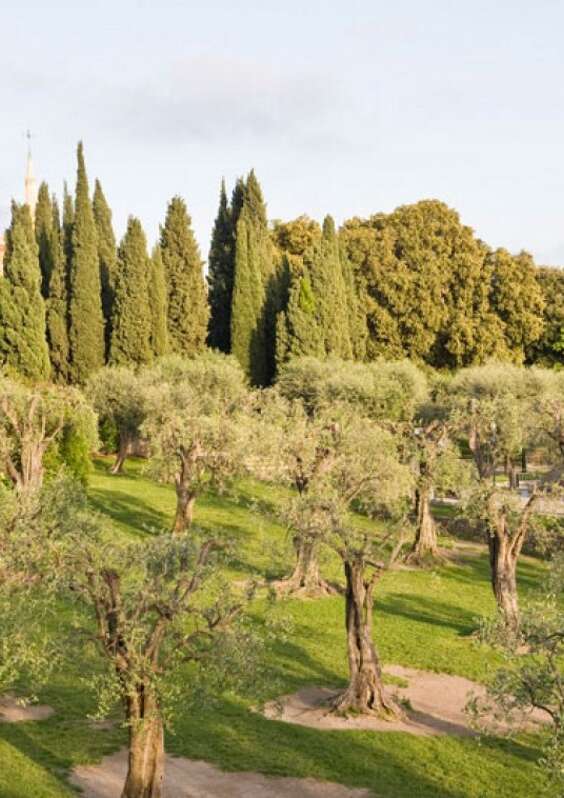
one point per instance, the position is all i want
(220, 276)
(329, 288)
(43, 224)
(187, 307)
(131, 321)
(107, 255)
(23, 347)
(298, 332)
(253, 311)
(86, 329)
(57, 302)
(157, 301)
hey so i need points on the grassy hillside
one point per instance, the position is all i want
(422, 619)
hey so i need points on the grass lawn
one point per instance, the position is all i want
(422, 619)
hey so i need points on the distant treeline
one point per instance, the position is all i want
(414, 283)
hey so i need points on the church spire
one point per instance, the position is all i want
(30, 184)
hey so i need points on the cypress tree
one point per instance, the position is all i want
(328, 285)
(23, 347)
(86, 321)
(157, 301)
(43, 223)
(131, 321)
(187, 308)
(57, 303)
(107, 255)
(66, 231)
(220, 276)
(298, 332)
(253, 309)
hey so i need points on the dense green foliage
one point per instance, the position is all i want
(23, 345)
(413, 283)
(131, 321)
(253, 310)
(57, 302)
(187, 309)
(43, 231)
(86, 321)
(107, 256)
(220, 275)
(157, 301)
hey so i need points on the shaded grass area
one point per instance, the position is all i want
(423, 619)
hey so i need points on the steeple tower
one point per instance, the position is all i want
(30, 184)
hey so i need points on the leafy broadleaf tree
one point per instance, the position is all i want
(187, 308)
(548, 350)
(516, 298)
(23, 345)
(86, 320)
(107, 255)
(131, 321)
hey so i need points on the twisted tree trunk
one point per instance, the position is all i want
(184, 516)
(145, 767)
(503, 565)
(306, 579)
(124, 446)
(425, 546)
(365, 693)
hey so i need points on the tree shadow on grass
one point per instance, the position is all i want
(477, 569)
(138, 515)
(395, 765)
(428, 611)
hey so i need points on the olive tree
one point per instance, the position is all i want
(119, 395)
(295, 449)
(32, 419)
(160, 615)
(530, 679)
(366, 475)
(387, 392)
(196, 427)
(493, 406)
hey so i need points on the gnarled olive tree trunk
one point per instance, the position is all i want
(145, 766)
(503, 566)
(505, 547)
(425, 545)
(185, 492)
(124, 447)
(365, 693)
(306, 578)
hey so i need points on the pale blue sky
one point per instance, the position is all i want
(343, 107)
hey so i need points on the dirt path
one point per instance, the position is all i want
(436, 706)
(185, 778)
(11, 711)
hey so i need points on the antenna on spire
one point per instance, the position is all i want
(28, 137)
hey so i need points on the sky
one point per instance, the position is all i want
(349, 108)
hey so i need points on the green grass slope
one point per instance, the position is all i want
(422, 619)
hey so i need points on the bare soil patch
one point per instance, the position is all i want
(186, 778)
(11, 711)
(436, 706)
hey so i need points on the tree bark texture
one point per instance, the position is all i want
(365, 693)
